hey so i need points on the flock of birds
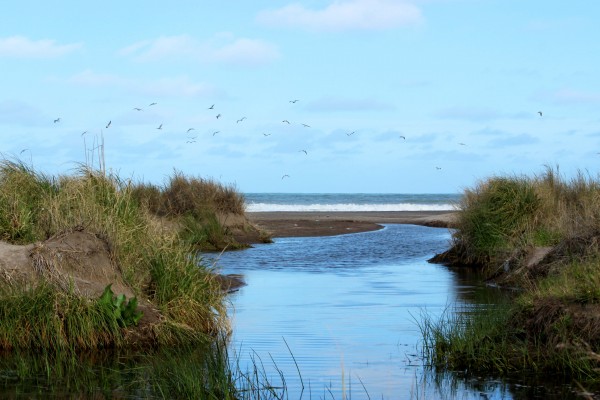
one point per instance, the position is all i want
(192, 139)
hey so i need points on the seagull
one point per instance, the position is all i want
(191, 141)
(286, 121)
(107, 125)
(266, 134)
(351, 133)
(294, 101)
(306, 126)
(462, 144)
(22, 151)
(83, 133)
(215, 132)
(402, 137)
(218, 116)
(539, 112)
(137, 109)
(160, 126)
(304, 152)
(438, 167)
(151, 104)
(285, 176)
(241, 119)
(211, 107)
(191, 129)
(57, 120)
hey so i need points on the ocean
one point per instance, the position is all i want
(329, 202)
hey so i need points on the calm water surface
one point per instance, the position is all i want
(347, 307)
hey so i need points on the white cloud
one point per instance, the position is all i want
(565, 96)
(345, 15)
(329, 104)
(22, 47)
(179, 86)
(222, 49)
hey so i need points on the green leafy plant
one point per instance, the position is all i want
(125, 312)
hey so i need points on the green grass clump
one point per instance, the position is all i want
(551, 324)
(154, 262)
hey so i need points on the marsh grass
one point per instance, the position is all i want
(551, 325)
(155, 264)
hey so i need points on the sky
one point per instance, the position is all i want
(335, 96)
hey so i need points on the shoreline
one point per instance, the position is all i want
(325, 223)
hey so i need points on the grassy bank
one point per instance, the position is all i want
(541, 235)
(150, 234)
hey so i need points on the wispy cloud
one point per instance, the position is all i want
(19, 113)
(345, 15)
(179, 86)
(330, 104)
(478, 114)
(570, 96)
(223, 48)
(23, 47)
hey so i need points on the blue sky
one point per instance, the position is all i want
(400, 96)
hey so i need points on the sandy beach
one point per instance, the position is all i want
(300, 223)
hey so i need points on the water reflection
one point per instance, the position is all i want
(343, 310)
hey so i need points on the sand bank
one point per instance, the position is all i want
(300, 223)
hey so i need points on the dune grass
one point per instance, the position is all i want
(552, 324)
(155, 262)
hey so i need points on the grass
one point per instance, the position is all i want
(155, 262)
(551, 325)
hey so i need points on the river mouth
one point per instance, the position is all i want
(341, 313)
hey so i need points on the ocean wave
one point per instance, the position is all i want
(271, 207)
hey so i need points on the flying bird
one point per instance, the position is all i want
(83, 133)
(306, 126)
(215, 132)
(351, 133)
(22, 151)
(294, 101)
(241, 119)
(160, 126)
(402, 137)
(211, 107)
(151, 104)
(539, 112)
(108, 125)
(137, 109)
(286, 121)
(304, 152)
(462, 144)
(218, 116)
(191, 129)
(438, 167)
(285, 176)
(57, 120)
(266, 134)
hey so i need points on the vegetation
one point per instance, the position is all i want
(552, 323)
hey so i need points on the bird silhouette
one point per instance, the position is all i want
(215, 132)
(191, 129)
(285, 176)
(539, 112)
(241, 119)
(160, 126)
(151, 104)
(294, 101)
(286, 121)
(304, 152)
(211, 107)
(108, 125)
(266, 134)
(23, 151)
(137, 109)
(438, 167)
(83, 133)
(57, 120)
(351, 133)
(402, 137)
(462, 144)
(306, 126)
(218, 116)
